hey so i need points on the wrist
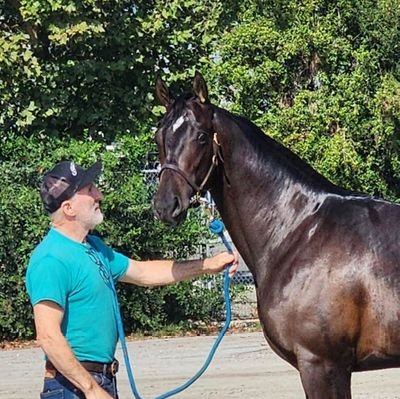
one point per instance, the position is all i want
(207, 266)
(89, 385)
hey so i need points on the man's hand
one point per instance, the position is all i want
(221, 261)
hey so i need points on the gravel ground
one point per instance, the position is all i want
(244, 367)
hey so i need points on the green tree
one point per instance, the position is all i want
(76, 66)
(323, 77)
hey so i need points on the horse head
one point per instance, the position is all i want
(187, 149)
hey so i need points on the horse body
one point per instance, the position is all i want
(326, 261)
(311, 248)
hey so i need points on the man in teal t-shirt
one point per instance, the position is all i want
(71, 279)
(68, 281)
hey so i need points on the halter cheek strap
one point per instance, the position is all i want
(180, 172)
(198, 189)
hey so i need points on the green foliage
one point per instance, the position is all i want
(67, 68)
(18, 207)
(323, 78)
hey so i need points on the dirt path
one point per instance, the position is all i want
(244, 367)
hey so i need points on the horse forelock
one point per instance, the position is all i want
(183, 118)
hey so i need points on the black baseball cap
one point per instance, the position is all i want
(64, 180)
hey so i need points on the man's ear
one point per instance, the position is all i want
(163, 94)
(67, 209)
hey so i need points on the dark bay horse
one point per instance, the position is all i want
(326, 261)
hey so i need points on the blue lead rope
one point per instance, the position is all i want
(216, 227)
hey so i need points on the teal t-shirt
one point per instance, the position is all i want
(74, 275)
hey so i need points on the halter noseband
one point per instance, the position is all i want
(198, 189)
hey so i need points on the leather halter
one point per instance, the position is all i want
(198, 189)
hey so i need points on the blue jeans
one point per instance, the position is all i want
(61, 388)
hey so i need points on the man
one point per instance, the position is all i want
(67, 281)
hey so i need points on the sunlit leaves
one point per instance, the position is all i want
(62, 35)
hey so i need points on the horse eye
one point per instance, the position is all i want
(202, 137)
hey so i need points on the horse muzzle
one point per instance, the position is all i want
(171, 210)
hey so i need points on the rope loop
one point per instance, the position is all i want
(216, 227)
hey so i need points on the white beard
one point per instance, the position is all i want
(92, 219)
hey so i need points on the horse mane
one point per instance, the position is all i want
(268, 151)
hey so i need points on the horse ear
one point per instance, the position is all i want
(163, 93)
(200, 87)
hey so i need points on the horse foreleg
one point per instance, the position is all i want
(322, 379)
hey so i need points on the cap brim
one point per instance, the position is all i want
(91, 174)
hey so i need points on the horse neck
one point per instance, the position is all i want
(264, 193)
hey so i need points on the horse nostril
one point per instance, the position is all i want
(176, 208)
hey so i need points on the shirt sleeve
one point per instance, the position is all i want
(48, 280)
(117, 262)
